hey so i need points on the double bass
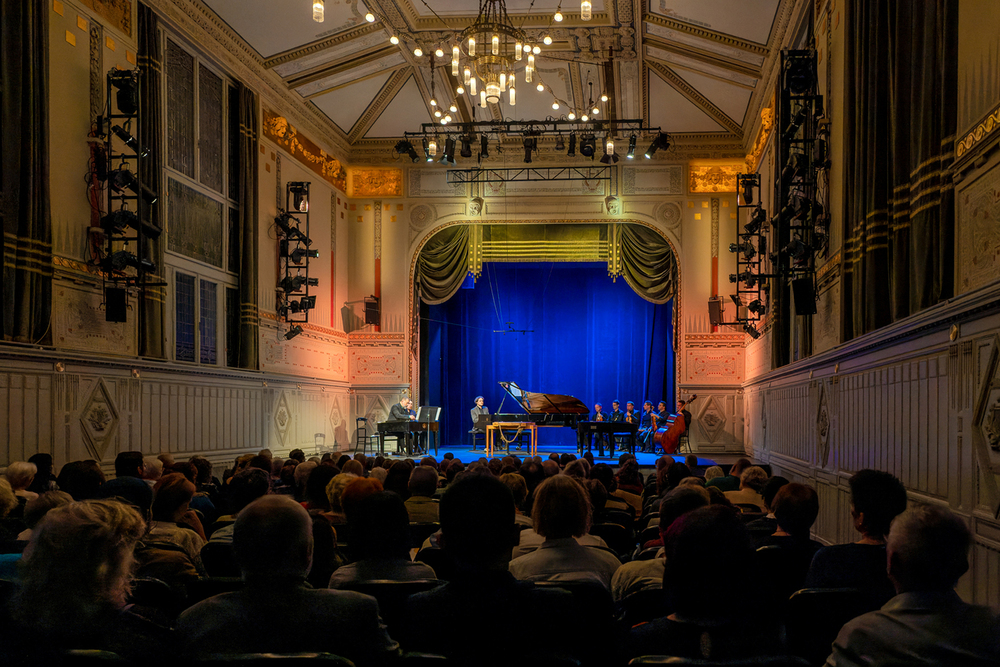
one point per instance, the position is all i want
(669, 435)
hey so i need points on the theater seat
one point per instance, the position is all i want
(273, 660)
(770, 661)
(814, 616)
(391, 595)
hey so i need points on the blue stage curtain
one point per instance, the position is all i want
(587, 336)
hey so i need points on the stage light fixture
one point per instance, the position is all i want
(530, 144)
(588, 144)
(560, 143)
(127, 83)
(793, 168)
(122, 179)
(747, 183)
(661, 142)
(572, 145)
(756, 221)
(467, 140)
(118, 221)
(293, 332)
(795, 123)
(448, 155)
(746, 248)
(283, 221)
(609, 157)
(295, 283)
(300, 254)
(631, 147)
(405, 147)
(129, 140)
(800, 73)
(796, 250)
(751, 331)
(749, 279)
(756, 307)
(300, 196)
(122, 259)
(484, 147)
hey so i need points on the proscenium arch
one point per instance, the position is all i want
(413, 334)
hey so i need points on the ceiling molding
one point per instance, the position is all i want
(321, 45)
(704, 33)
(342, 65)
(769, 71)
(688, 91)
(707, 57)
(379, 104)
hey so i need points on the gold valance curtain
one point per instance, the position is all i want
(635, 252)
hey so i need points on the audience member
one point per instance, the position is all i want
(712, 472)
(604, 474)
(354, 467)
(767, 524)
(334, 494)
(81, 479)
(152, 470)
(876, 499)
(380, 541)
(730, 482)
(276, 612)
(45, 479)
(302, 473)
(298, 455)
(422, 486)
(244, 487)
(173, 520)
(926, 623)
(20, 475)
(561, 513)
(795, 509)
(398, 478)
(36, 510)
(752, 482)
(519, 489)
(628, 477)
(8, 501)
(314, 497)
(130, 464)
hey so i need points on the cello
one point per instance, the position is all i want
(669, 436)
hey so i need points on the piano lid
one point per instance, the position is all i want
(545, 404)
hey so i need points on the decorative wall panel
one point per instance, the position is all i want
(78, 322)
(664, 180)
(979, 231)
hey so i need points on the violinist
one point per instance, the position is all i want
(617, 416)
(647, 426)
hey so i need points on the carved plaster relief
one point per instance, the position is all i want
(434, 183)
(78, 322)
(979, 231)
(662, 180)
(99, 419)
(282, 418)
(986, 431)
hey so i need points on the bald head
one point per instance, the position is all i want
(273, 538)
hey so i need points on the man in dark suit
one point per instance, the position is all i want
(617, 416)
(400, 413)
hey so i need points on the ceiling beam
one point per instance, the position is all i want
(704, 56)
(702, 102)
(322, 44)
(379, 104)
(356, 60)
(704, 33)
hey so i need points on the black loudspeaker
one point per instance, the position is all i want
(804, 293)
(715, 310)
(115, 304)
(372, 312)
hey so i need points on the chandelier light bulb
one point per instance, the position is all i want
(571, 116)
(604, 97)
(318, 11)
(444, 121)
(595, 111)
(503, 82)
(547, 41)
(472, 46)
(517, 51)
(536, 50)
(609, 146)
(432, 147)
(492, 92)
(495, 44)
(555, 105)
(482, 98)
(527, 48)
(434, 102)
(394, 40)
(558, 17)
(512, 99)
(584, 118)
(439, 53)
(586, 10)
(437, 113)
(472, 86)
(418, 52)
(453, 108)
(460, 91)
(370, 17)
(466, 75)
(540, 87)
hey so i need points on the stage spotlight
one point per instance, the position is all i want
(117, 221)
(127, 83)
(448, 154)
(560, 143)
(800, 73)
(300, 196)
(295, 283)
(303, 304)
(796, 122)
(747, 183)
(609, 151)
(745, 247)
(405, 147)
(588, 144)
(747, 278)
(751, 331)
(122, 179)
(572, 145)
(122, 259)
(661, 142)
(796, 250)
(467, 145)
(530, 144)
(756, 307)
(428, 155)
(300, 254)
(756, 221)
(631, 147)
(293, 332)
(484, 147)
(793, 168)
(283, 221)
(129, 140)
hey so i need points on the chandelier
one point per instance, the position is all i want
(490, 51)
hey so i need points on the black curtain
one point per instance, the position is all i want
(151, 319)
(27, 250)
(247, 230)
(900, 214)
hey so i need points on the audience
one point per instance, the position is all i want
(173, 520)
(422, 486)
(561, 513)
(712, 472)
(785, 563)
(519, 489)
(730, 482)
(926, 623)
(276, 612)
(767, 524)
(752, 482)
(876, 499)
(45, 479)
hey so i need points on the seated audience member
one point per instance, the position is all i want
(876, 499)
(21, 474)
(796, 507)
(380, 541)
(8, 501)
(604, 474)
(75, 581)
(561, 513)
(578, 468)
(926, 623)
(731, 482)
(550, 468)
(477, 524)
(628, 478)
(167, 458)
(173, 520)
(398, 478)
(45, 479)
(354, 467)
(36, 510)
(700, 545)
(245, 487)
(422, 486)
(130, 464)
(298, 455)
(276, 612)
(152, 470)
(357, 489)
(519, 489)
(379, 473)
(691, 461)
(81, 479)
(640, 575)
(713, 472)
(334, 494)
(301, 474)
(201, 501)
(767, 524)
(314, 497)
(752, 482)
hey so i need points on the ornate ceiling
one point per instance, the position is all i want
(698, 69)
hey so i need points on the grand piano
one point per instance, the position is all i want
(542, 409)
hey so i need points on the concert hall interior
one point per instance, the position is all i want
(233, 225)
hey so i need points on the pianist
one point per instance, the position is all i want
(400, 412)
(479, 409)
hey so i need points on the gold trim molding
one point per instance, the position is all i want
(280, 131)
(713, 178)
(763, 134)
(981, 132)
(375, 182)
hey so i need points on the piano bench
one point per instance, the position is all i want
(477, 434)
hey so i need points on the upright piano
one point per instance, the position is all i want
(541, 409)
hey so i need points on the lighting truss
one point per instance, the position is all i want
(549, 128)
(602, 173)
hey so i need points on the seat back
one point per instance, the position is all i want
(621, 517)
(219, 560)
(439, 560)
(421, 530)
(769, 661)
(618, 538)
(391, 595)
(814, 616)
(202, 589)
(596, 607)
(642, 606)
(273, 660)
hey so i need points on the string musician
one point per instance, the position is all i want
(599, 416)
(647, 427)
(617, 416)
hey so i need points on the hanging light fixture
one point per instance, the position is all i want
(586, 10)
(370, 17)
(318, 11)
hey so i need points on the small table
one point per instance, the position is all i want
(531, 427)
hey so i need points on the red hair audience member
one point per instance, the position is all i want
(173, 520)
